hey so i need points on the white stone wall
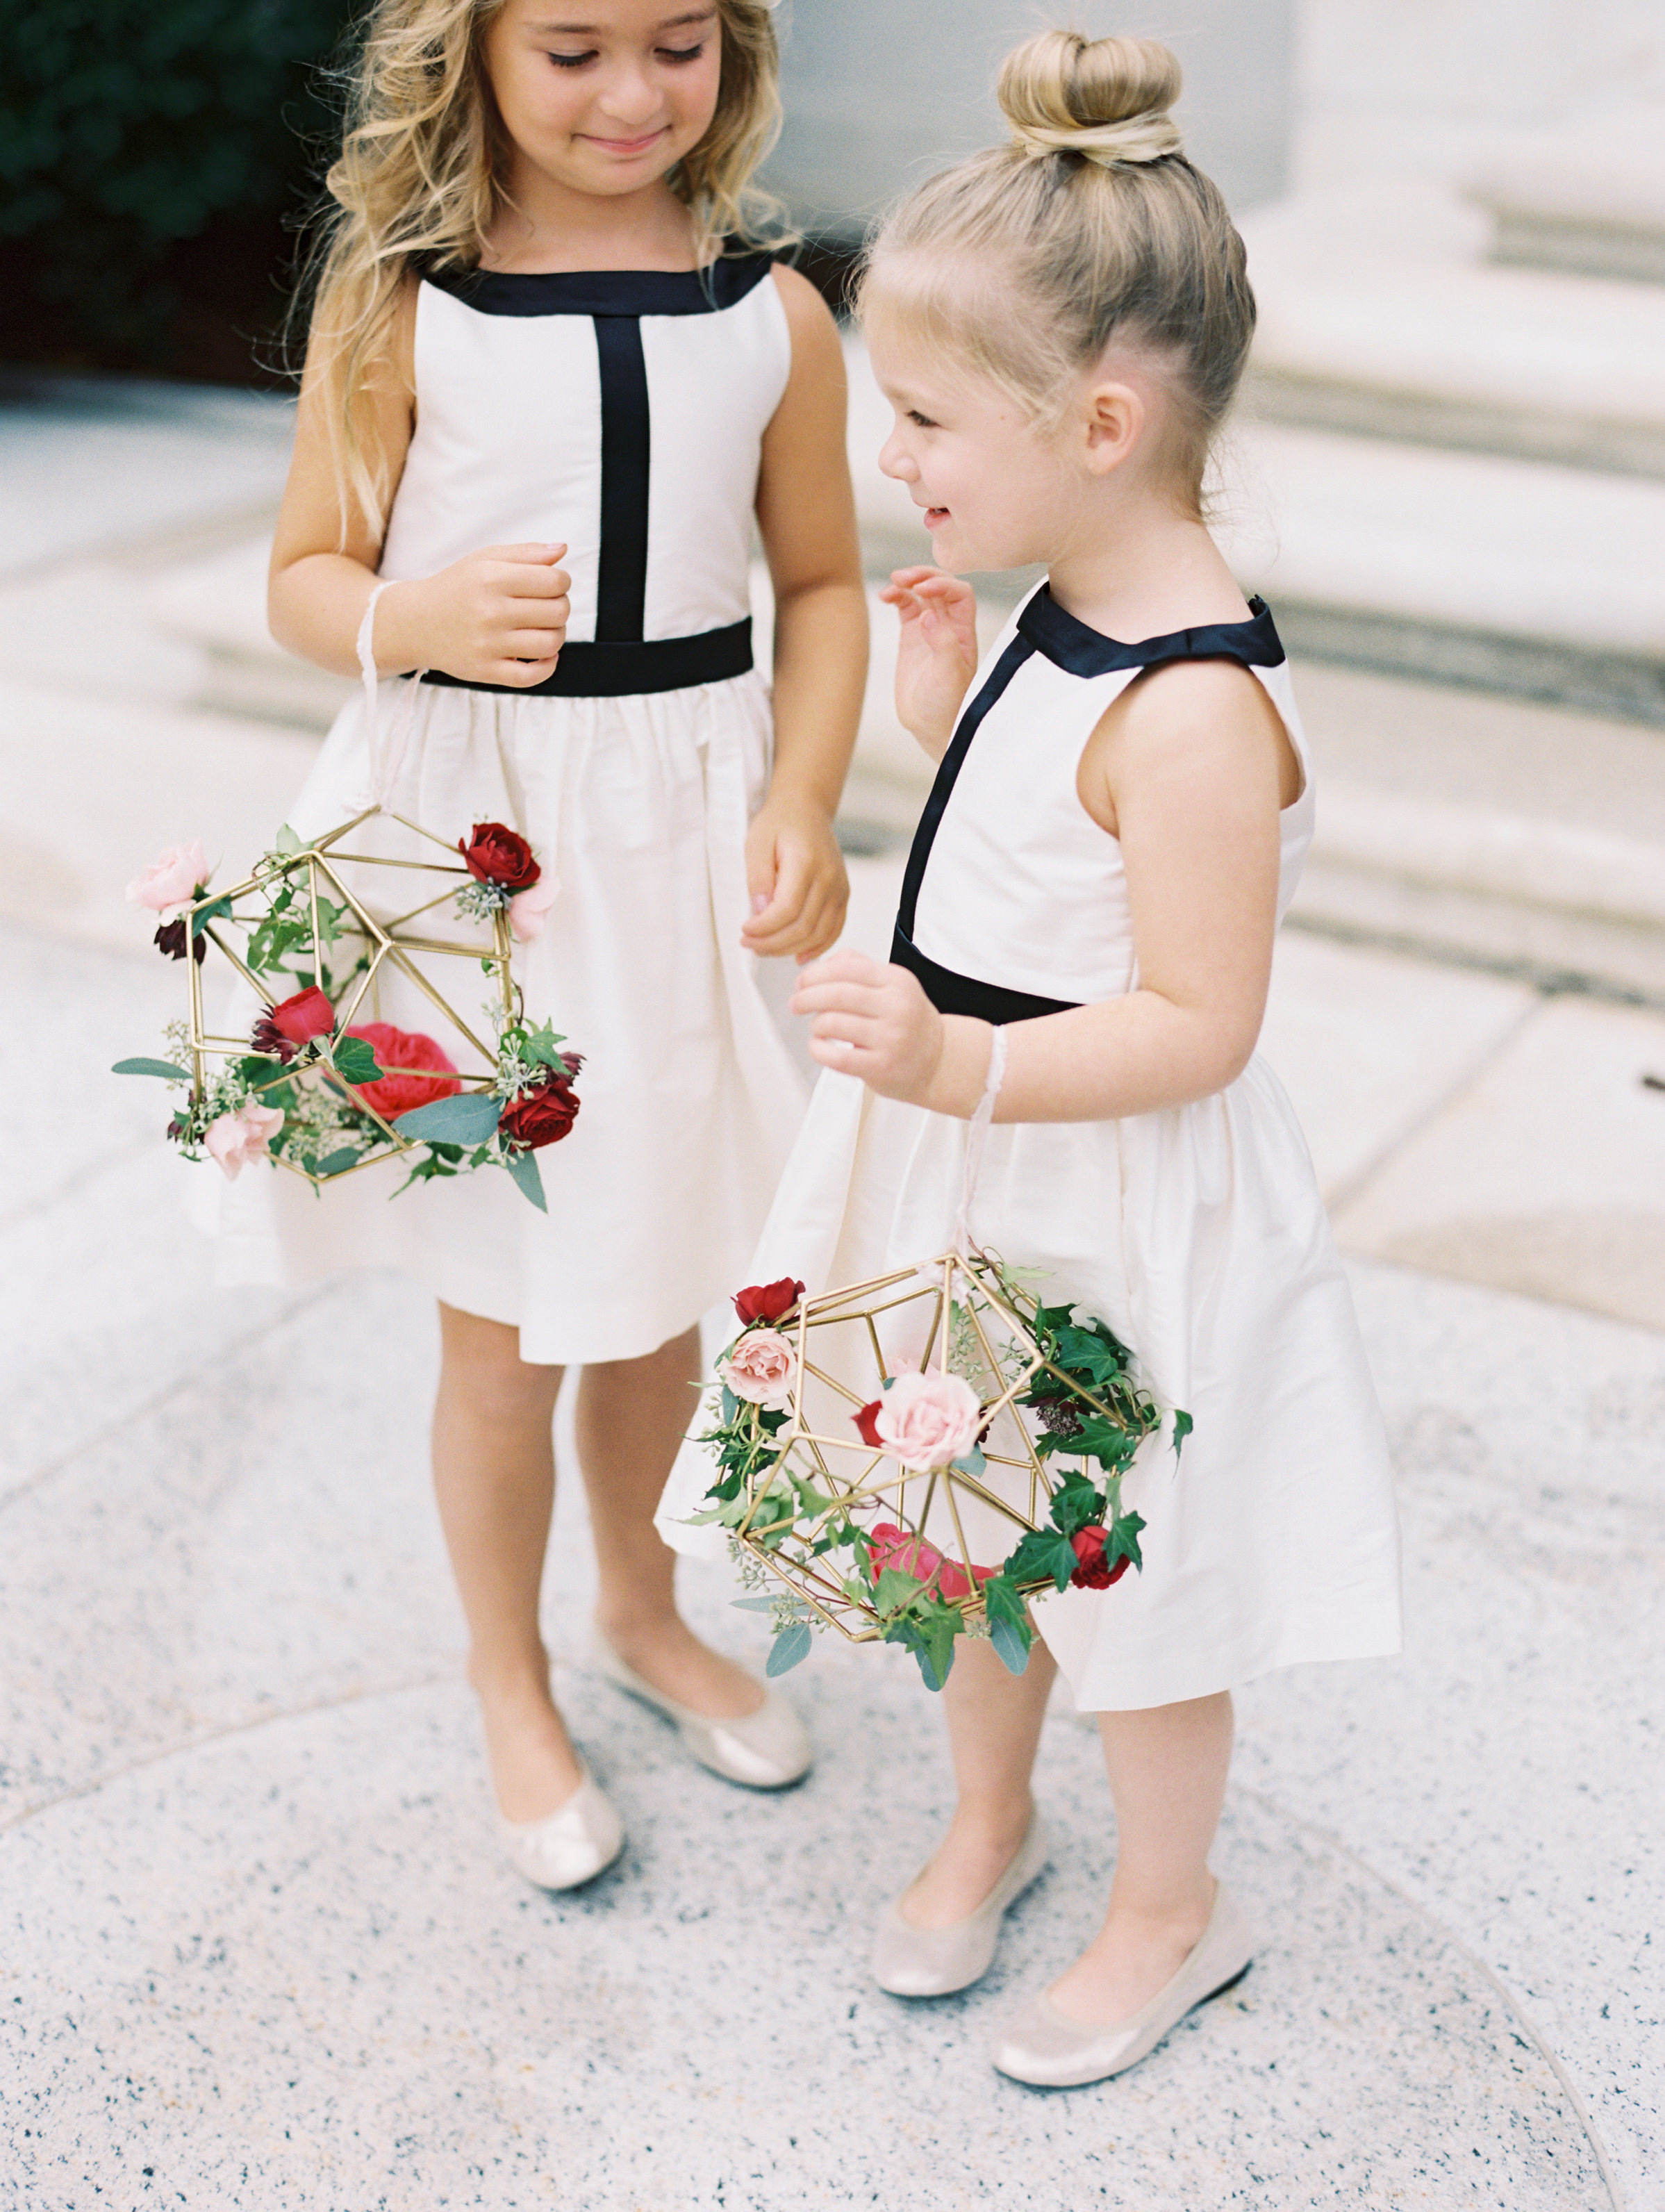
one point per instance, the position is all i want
(1435, 88)
(879, 93)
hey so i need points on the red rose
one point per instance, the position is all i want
(545, 1115)
(393, 1094)
(768, 1302)
(864, 1425)
(294, 1022)
(1092, 1570)
(495, 854)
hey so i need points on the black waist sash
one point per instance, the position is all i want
(615, 668)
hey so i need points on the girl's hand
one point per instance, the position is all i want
(873, 1021)
(497, 617)
(936, 652)
(795, 874)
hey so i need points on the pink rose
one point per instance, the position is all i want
(528, 909)
(173, 881)
(762, 1368)
(236, 1139)
(928, 1419)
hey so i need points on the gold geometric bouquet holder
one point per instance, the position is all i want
(328, 937)
(911, 1458)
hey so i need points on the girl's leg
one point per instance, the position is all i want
(632, 1415)
(494, 1476)
(1166, 1767)
(993, 1727)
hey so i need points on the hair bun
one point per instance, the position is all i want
(1105, 99)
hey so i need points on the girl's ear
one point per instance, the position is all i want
(1112, 423)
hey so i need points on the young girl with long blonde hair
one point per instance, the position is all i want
(1121, 812)
(550, 387)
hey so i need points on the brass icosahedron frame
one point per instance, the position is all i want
(976, 1316)
(389, 946)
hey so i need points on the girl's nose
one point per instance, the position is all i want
(895, 460)
(631, 99)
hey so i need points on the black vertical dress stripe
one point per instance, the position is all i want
(621, 605)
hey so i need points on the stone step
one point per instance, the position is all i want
(1594, 204)
(1517, 576)
(1383, 316)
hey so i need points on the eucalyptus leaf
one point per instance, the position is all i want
(791, 1645)
(528, 1178)
(972, 1462)
(336, 1162)
(754, 1604)
(165, 1067)
(468, 1118)
(1011, 1645)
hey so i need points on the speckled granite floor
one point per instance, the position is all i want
(256, 1949)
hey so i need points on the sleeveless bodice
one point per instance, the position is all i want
(620, 413)
(1015, 902)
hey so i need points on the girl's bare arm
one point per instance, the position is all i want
(806, 517)
(498, 616)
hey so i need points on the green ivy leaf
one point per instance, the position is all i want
(542, 1045)
(896, 1590)
(354, 1060)
(286, 841)
(1183, 1425)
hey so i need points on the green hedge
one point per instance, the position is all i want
(135, 134)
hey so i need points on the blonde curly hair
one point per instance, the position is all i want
(420, 172)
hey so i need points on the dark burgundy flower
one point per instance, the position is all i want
(768, 1302)
(294, 1022)
(864, 1425)
(176, 1128)
(173, 937)
(1093, 1570)
(495, 854)
(545, 1115)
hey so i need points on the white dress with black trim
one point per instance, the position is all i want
(1197, 1232)
(621, 413)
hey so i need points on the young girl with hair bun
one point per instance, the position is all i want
(1086, 936)
(551, 384)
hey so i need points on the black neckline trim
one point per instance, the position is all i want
(1070, 644)
(607, 291)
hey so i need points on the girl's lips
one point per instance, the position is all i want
(629, 146)
(935, 517)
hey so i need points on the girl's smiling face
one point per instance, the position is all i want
(602, 97)
(989, 481)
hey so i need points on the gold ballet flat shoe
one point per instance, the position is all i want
(934, 1962)
(769, 1749)
(1041, 2047)
(567, 1847)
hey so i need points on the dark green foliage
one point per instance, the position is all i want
(127, 133)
